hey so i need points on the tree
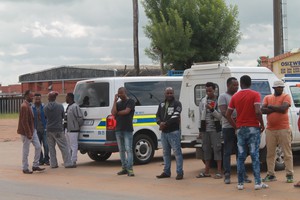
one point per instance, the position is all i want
(136, 37)
(183, 32)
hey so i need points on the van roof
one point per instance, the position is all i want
(133, 78)
(221, 68)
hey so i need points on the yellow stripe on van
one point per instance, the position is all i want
(138, 120)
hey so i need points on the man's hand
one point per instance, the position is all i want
(116, 97)
(262, 128)
(162, 126)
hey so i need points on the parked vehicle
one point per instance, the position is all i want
(95, 98)
(193, 89)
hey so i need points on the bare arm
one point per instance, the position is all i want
(259, 117)
(228, 116)
(124, 112)
(223, 109)
(114, 108)
(266, 110)
(281, 109)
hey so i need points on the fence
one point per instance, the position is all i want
(10, 104)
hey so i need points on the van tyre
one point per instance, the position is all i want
(99, 156)
(279, 159)
(143, 149)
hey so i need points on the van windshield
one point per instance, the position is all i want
(295, 91)
(261, 86)
(151, 92)
(92, 94)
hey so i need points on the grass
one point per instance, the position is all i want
(9, 116)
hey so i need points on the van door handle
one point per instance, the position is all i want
(86, 135)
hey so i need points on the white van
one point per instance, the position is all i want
(193, 89)
(95, 98)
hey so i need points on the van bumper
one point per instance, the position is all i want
(107, 147)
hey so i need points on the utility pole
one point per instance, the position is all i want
(278, 27)
(136, 36)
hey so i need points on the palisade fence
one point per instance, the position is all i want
(10, 103)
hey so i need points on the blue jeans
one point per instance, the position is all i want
(124, 139)
(230, 145)
(248, 136)
(172, 140)
(44, 158)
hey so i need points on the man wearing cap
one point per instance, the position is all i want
(278, 130)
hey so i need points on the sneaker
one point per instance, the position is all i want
(289, 178)
(38, 169)
(70, 166)
(240, 186)
(122, 172)
(247, 180)
(163, 175)
(130, 172)
(179, 177)
(269, 178)
(227, 180)
(27, 171)
(260, 186)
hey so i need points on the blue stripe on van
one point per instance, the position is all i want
(87, 140)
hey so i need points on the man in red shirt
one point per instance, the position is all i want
(278, 130)
(249, 124)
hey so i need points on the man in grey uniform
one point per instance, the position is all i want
(54, 113)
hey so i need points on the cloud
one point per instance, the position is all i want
(56, 29)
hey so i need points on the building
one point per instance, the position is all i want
(63, 79)
(10, 89)
(287, 63)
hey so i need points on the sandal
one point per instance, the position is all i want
(218, 176)
(297, 185)
(203, 175)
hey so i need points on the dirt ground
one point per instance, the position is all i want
(98, 180)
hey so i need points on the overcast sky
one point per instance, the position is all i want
(40, 34)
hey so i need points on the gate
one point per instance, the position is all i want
(10, 103)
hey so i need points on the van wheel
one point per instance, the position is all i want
(143, 149)
(279, 159)
(99, 156)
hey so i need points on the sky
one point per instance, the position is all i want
(40, 34)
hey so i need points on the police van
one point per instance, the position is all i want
(95, 98)
(193, 89)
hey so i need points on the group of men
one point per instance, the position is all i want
(235, 115)
(238, 117)
(42, 125)
(242, 125)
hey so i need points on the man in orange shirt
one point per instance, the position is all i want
(278, 130)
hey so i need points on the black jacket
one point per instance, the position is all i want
(170, 115)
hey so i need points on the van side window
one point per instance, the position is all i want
(92, 94)
(261, 86)
(200, 92)
(150, 93)
(295, 91)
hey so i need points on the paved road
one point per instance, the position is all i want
(95, 180)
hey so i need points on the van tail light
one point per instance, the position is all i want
(111, 122)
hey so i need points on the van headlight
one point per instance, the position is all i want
(88, 122)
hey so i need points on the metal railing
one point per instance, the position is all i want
(10, 103)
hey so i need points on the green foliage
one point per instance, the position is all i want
(183, 32)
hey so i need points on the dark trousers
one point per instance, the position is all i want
(44, 158)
